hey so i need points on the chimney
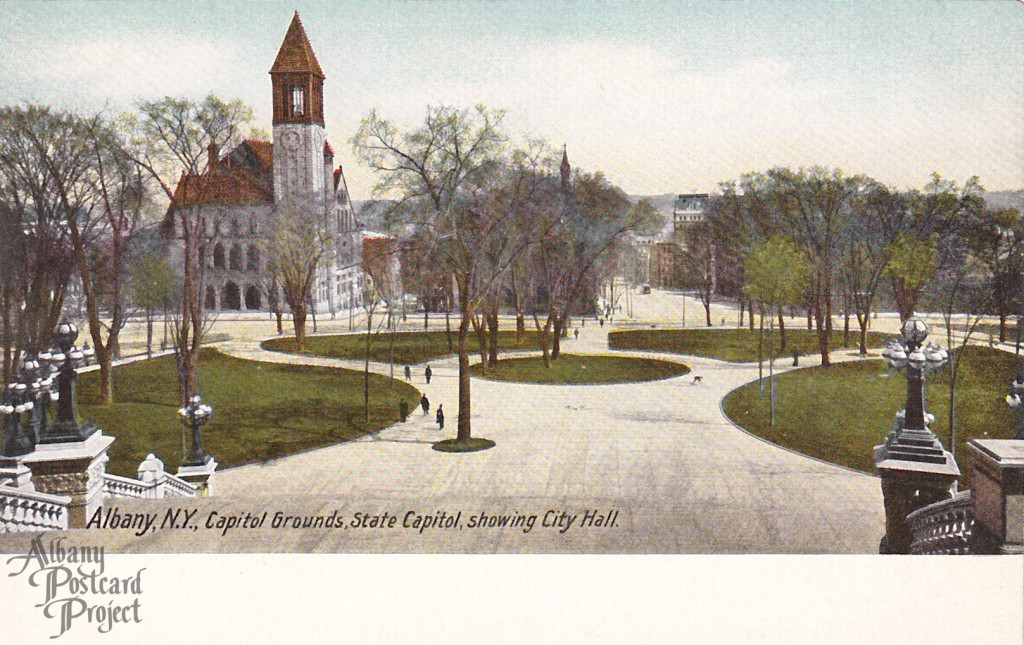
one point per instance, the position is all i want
(213, 152)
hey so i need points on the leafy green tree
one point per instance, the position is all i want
(778, 274)
(912, 263)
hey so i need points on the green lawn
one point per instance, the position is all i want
(581, 369)
(262, 410)
(838, 413)
(735, 345)
(410, 347)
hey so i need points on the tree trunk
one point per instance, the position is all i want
(707, 312)
(819, 321)
(782, 332)
(479, 326)
(846, 328)
(299, 322)
(742, 307)
(464, 427)
(492, 324)
(810, 324)
(1002, 326)
(149, 334)
(542, 334)
(862, 321)
(750, 313)
(448, 321)
(556, 337)
(520, 327)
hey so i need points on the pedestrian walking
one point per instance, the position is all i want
(403, 410)
(428, 372)
(576, 333)
(602, 322)
(425, 404)
(440, 417)
(408, 373)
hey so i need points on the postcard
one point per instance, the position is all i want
(487, 322)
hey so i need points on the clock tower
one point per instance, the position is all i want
(299, 137)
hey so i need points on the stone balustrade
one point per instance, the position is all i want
(943, 528)
(166, 486)
(23, 510)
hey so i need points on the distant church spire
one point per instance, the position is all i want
(566, 168)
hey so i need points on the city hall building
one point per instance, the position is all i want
(240, 191)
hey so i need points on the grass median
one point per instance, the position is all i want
(734, 345)
(580, 369)
(410, 347)
(839, 413)
(262, 410)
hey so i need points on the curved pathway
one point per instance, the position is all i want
(678, 476)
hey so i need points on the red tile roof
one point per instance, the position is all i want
(224, 185)
(263, 151)
(328, 150)
(296, 54)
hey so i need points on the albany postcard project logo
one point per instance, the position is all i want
(74, 588)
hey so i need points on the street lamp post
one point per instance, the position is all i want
(193, 416)
(65, 359)
(915, 469)
(34, 389)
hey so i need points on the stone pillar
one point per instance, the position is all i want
(998, 494)
(200, 475)
(916, 471)
(14, 473)
(74, 469)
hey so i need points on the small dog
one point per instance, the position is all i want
(697, 379)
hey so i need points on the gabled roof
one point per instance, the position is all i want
(245, 176)
(328, 150)
(296, 54)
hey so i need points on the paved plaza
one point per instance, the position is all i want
(661, 456)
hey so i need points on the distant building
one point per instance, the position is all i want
(689, 210)
(240, 190)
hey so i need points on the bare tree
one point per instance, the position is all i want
(173, 140)
(446, 171)
(293, 248)
(38, 259)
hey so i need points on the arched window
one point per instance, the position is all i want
(202, 255)
(236, 258)
(253, 228)
(218, 256)
(254, 258)
(252, 298)
(298, 101)
(235, 230)
(216, 227)
(232, 297)
(211, 298)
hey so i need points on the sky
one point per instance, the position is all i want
(663, 97)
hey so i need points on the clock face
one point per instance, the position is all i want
(290, 140)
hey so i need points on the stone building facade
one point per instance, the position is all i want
(240, 192)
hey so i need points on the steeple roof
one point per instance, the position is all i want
(296, 54)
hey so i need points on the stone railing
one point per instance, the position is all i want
(22, 510)
(166, 486)
(153, 483)
(943, 528)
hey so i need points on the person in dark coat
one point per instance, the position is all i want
(440, 417)
(408, 373)
(428, 372)
(425, 404)
(403, 410)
